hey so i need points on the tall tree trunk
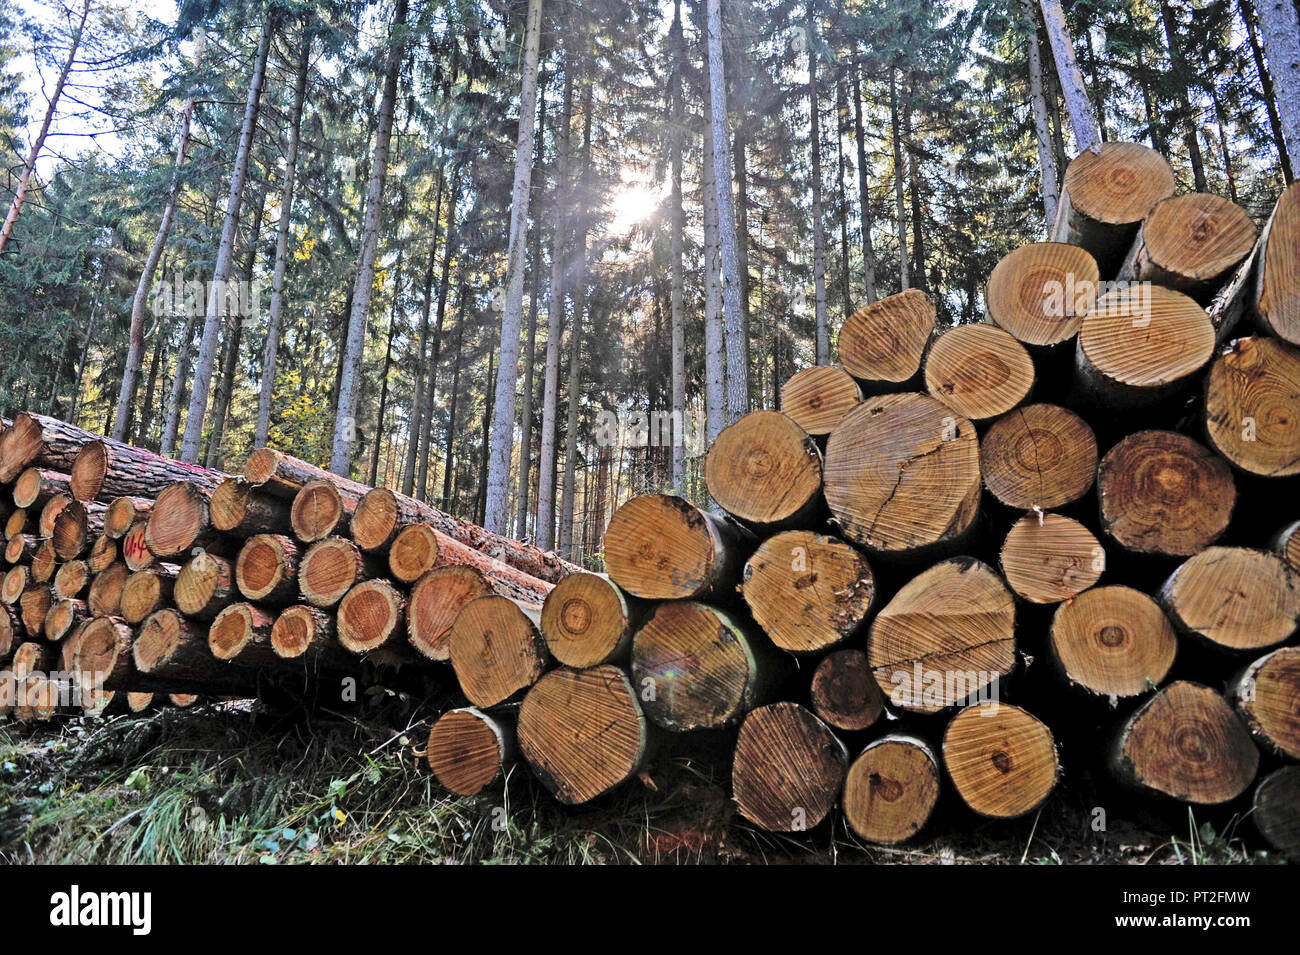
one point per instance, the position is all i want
(1086, 133)
(715, 388)
(383, 388)
(530, 351)
(349, 384)
(823, 339)
(135, 336)
(444, 285)
(1050, 176)
(496, 513)
(841, 120)
(449, 457)
(1220, 123)
(580, 308)
(545, 521)
(1154, 130)
(732, 309)
(864, 193)
(147, 410)
(282, 245)
(919, 277)
(422, 347)
(1182, 81)
(1268, 93)
(677, 319)
(480, 494)
(1279, 25)
(225, 256)
(900, 201)
(172, 418)
(29, 167)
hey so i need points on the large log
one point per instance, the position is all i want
(881, 344)
(382, 513)
(1276, 810)
(76, 527)
(50, 513)
(171, 649)
(436, 601)
(979, 371)
(469, 751)
(765, 470)
(39, 441)
(1114, 642)
(34, 605)
(1106, 195)
(146, 591)
(330, 568)
(1190, 243)
(1047, 558)
(1234, 598)
(1267, 695)
(587, 620)
(180, 523)
(696, 667)
(495, 650)
(788, 768)
(282, 475)
(808, 591)
(844, 691)
(891, 789)
(35, 486)
(204, 587)
(105, 469)
(102, 653)
(103, 551)
(266, 570)
(1186, 742)
(1141, 345)
(20, 548)
(902, 475)
(371, 615)
(582, 732)
(321, 509)
(1001, 759)
(1042, 456)
(1277, 283)
(307, 633)
(105, 596)
(241, 633)
(662, 547)
(947, 635)
(819, 397)
(123, 513)
(1163, 493)
(1040, 292)
(241, 510)
(1250, 406)
(65, 616)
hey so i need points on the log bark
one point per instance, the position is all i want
(331, 568)
(371, 615)
(1277, 283)
(266, 570)
(819, 397)
(766, 471)
(241, 510)
(147, 591)
(123, 513)
(105, 469)
(205, 586)
(34, 604)
(809, 592)
(282, 475)
(947, 635)
(697, 667)
(76, 528)
(902, 475)
(653, 532)
(1001, 759)
(891, 789)
(1233, 598)
(788, 768)
(495, 650)
(1250, 399)
(979, 371)
(35, 486)
(469, 751)
(588, 621)
(1040, 292)
(1047, 558)
(1113, 642)
(881, 344)
(1106, 196)
(1187, 743)
(844, 691)
(1192, 243)
(1041, 456)
(582, 732)
(1267, 695)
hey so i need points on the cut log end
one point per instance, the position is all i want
(582, 732)
(979, 371)
(413, 552)
(1267, 695)
(808, 591)
(468, 750)
(1040, 292)
(1277, 810)
(1113, 641)
(371, 615)
(123, 512)
(1001, 759)
(1193, 243)
(902, 474)
(764, 469)
(947, 636)
(663, 548)
(891, 789)
(88, 471)
(1040, 456)
(146, 591)
(204, 586)
(436, 600)
(1186, 742)
(844, 691)
(1235, 598)
(317, 512)
(586, 621)
(882, 343)
(377, 519)
(1047, 558)
(1251, 413)
(135, 549)
(1278, 301)
(267, 569)
(105, 597)
(788, 768)
(330, 568)
(179, 517)
(495, 650)
(299, 629)
(240, 509)
(237, 630)
(819, 397)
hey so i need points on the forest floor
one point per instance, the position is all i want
(231, 783)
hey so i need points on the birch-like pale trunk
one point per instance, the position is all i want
(29, 167)
(819, 230)
(349, 385)
(677, 309)
(1042, 122)
(1267, 93)
(1073, 89)
(135, 335)
(282, 245)
(715, 391)
(733, 311)
(216, 299)
(496, 512)
(1279, 26)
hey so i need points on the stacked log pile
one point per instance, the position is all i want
(971, 561)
